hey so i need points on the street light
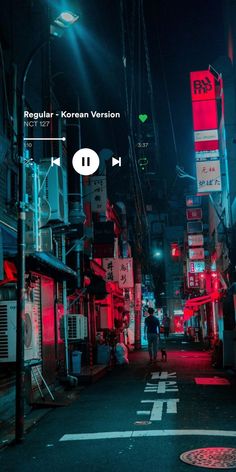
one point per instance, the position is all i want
(21, 227)
(62, 22)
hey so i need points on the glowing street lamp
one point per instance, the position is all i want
(62, 22)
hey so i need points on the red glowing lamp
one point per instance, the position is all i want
(175, 250)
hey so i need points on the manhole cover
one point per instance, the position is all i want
(211, 457)
(142, 423)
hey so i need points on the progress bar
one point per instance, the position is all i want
(45, 139)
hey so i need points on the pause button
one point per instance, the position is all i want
(85, 161)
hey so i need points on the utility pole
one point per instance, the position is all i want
(21, 246)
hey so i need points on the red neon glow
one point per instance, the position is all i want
(194, 214)
(178, 324)
(175, 250)
(204, 115)
(202, 85)
(206, 145)
(188, 312)
(10, 272)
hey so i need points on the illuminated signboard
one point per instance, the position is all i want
(194, 227)
(208, 176)
(193, 280)
(206, 155)
(206, 140)
(196, 267)
(194, 214)
(195, 240)
(204, 115)
(196, 253)
(202, 85)
(193, 201)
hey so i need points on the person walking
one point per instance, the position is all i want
(166, 324)
(151, 333)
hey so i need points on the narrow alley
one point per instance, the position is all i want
(140, 416)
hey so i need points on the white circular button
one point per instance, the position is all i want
(85, 161)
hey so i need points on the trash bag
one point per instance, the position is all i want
(121, 354)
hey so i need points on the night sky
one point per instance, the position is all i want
(182, 36)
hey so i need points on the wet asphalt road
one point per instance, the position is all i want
(148, 414)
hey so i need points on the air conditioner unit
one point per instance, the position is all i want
(8, 332)
(56, 195)
(45, 241)
(31, 330)
(76, 327)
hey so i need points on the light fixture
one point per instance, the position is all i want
(65, 19)
(62, 22)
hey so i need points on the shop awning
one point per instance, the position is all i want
(39, 261)
(97, 269)
(193, 304)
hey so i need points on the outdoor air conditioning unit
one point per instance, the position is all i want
(76, 327)
(56, 195)
(31, 330)
(45, 241)
(8, 332)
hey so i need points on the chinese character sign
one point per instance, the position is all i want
(112, 269)
(126, 273)
(98, 194)
(208, 176)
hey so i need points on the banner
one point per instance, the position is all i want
(112, 269)
(98, 194)
(208, 176)
(119, 270)
(126, 279)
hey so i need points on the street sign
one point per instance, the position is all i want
(196, 266)
(196, 253)
(193, 201)
(195, 240)
(194, 214)
(194, 227)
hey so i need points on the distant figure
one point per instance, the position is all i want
(151, 331)
(166, 324)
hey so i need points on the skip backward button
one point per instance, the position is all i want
(116, 162)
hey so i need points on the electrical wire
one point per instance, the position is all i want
(10, 118)
(168, 99)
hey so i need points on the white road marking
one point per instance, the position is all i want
(161, 387)
(157, 409)
(143, 412)
(147, 433)
(163, 375)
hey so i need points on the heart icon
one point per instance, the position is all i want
(143, 118)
